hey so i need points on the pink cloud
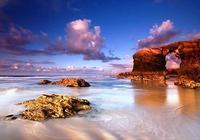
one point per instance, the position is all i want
(195, 36)
(172, 62)
(80, 39)
(117, 67)
(13, 66)
(16, 39)
(159, 35)
(86, 41)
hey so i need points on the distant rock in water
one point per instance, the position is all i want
(67, 82)
(44, 82)
(150, 63)
(51, 106)
(144, 76)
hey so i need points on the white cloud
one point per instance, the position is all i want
(159, 34)
(86, 41)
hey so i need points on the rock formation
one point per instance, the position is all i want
(67, 82)
(51, 106)
(149, 63)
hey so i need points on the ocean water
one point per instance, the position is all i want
(122, 110)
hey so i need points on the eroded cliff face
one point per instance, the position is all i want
(149, 59)
(150, 63)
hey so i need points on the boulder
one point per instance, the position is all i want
(44, 82)
(67, 82)
(51, 106)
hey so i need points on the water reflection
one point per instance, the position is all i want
(158, 95)
(189, 101)
(72, 129)
(122, 110)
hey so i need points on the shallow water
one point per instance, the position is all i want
(122, 109)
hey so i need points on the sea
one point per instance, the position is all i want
(121, 110)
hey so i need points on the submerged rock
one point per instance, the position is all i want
(68, 82)
(44, 82)
(52, 106)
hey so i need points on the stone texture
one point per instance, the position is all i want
(67, 82)
(149, 63)
(145, 76)
(149, 59)
(50, 107)
(186, 82)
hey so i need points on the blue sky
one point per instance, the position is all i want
(122, 23)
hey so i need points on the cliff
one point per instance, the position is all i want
(149, 63)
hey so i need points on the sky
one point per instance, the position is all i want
(89, 36)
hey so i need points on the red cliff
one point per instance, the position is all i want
(149, 63)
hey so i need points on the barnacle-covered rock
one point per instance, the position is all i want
(52, 106)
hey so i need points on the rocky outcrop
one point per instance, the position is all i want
(150, 63)
(149, 60)
(67, 82)
(50, 107)
(186, 82)
(144, 76)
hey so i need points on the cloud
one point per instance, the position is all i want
(117, 67)
(80, 39)
(195, 36)
(121, 66)
(159, 35)
(13, 66)
(86, 41)
(8, 65)
(172, 62)
(15, 40)
(3, 3)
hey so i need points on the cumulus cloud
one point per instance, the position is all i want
(159, 35)
(80, 39)
(86, 41)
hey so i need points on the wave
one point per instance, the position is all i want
(12, 90)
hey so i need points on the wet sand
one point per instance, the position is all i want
(122, 109)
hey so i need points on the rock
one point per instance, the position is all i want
(10, 117)
(67, 82)
(149, 59)
(44, 82)
(72, 82)
(149, 63)
(53, 106)
(172, 72)
(186, 82)
(144, 76)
